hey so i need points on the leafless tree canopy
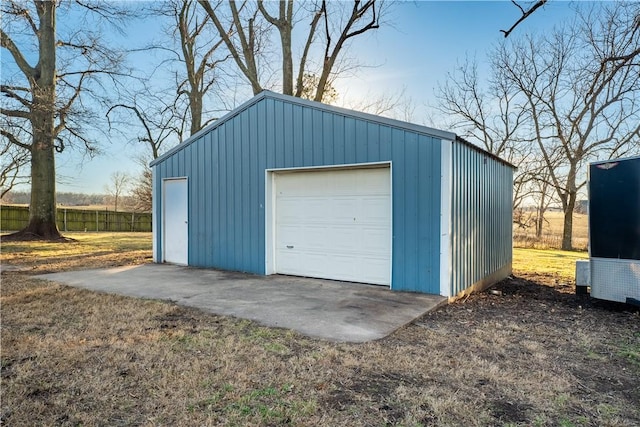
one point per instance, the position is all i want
(50, 72)
(572, 96)
(327, 27)
(117, 187)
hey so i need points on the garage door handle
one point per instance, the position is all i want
(290, 246)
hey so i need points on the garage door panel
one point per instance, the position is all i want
(290, 235)
(376, 183)
(343, 239)
(374, 209)
(372, 268)
(301, 210)
(334, 224)
(377, 240)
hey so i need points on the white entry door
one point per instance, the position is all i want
(334, 224)
(176, 226)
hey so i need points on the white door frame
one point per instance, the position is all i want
(164, 219)
(270, 206)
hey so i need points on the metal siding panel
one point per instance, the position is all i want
(318, 139)
(269, 135)
(228, 201)
(473, 217)
(223, 242)
(298, 136)
(481, 216)
(278, 134)
(287, 131)
(254, 196)
(307, 137)
(195, 214)
(237, 173)
(218, 188)
(338, 140)
(211, 186)
(200, 181)
(361, 141)
(373, 141)
(191, 171)
(261, 126)
(385, 143)
(413, 227)
(349, 140)
(327, 142)
(425, 197)
(246, 201)
(398, 279)
(180, 169)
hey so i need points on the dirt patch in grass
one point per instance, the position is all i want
(530, 353)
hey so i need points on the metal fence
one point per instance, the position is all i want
(14, 218)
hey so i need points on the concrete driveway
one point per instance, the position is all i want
(331, 310)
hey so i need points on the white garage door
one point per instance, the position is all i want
(334, 224)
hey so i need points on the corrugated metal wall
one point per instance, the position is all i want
(226, 166)
(481, 216)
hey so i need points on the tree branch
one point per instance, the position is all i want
(14, 140)
(10, 93)
(15, 113)
(525, 15)
(7, 43)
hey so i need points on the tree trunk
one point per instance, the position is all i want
(542, 209)
(569, 207)
(567, 230)
(287, 61)
(539, 222)
(42, 210)
(195, 105)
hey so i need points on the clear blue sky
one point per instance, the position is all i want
(419, 43)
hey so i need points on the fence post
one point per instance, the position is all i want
(133, 218)
(65, 219)
(96, 220)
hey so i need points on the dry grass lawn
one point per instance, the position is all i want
(532, 355)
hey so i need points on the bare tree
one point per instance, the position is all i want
(160, 122)
(43, 95)
(580, 104)
(117, 187)
(142, 190)
(491, 117)
(201, 53)
(393, 104)
(309, 86)
(14, 159)
(327, 30)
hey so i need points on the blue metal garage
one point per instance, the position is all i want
(289, 186)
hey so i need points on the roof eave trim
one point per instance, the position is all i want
(485, 152)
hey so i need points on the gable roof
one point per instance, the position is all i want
(411, 127)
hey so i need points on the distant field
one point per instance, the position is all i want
(556, 219)
(552, 232)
